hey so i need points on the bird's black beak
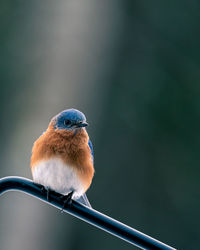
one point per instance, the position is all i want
(82, 124)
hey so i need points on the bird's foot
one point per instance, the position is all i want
(67, 199)
(45, 190)
(48, 190)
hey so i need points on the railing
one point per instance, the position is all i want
(82, 212)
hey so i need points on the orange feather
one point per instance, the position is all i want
(72, 147)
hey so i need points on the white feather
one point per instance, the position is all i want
(56, 175)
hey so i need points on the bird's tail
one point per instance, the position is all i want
(84, 200)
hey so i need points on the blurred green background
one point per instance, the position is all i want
(133, 67)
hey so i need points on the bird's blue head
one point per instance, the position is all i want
(70, 119)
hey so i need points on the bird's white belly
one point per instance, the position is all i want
(56, 175)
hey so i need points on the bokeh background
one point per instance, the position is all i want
(133, 67)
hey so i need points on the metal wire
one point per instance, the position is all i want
(82, 212)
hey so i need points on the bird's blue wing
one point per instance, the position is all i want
(91, 148)
(83, 199)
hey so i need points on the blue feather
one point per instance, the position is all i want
(91, 148)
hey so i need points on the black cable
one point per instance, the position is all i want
(82, 212)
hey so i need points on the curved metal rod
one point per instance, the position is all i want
(82, 212)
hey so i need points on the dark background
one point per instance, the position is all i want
(133, 67)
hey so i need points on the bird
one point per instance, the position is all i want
(62, 157)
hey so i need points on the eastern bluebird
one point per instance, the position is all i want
(62, 157)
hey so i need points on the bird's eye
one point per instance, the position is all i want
(67, 122)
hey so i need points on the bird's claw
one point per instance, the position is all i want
(48, 193)
(67, 199)
(45, 190)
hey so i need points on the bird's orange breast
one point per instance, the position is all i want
(71, 147)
